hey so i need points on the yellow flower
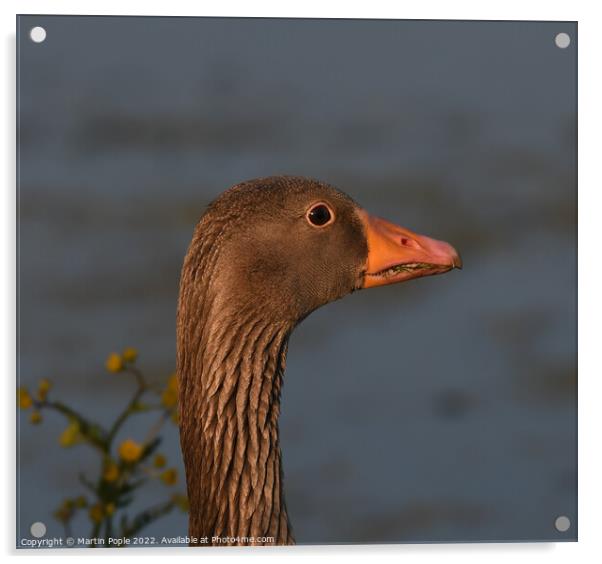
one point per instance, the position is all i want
(159, 461)
(169, 397)
(169, 477)
(96, 513)
(24, 399)
(181, 501)
(110, 472)
(43, 389)
(114, 363)
(81, 501)
(129, 355)
(70, 435)
(109, 509)
(35, 418)
(172, 382)
(130, 450)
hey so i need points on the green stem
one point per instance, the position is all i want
(142, 387)
(95, 532)
(84, 481)
(154, 430)
(146, 517)
(108, 529)
(138, 375)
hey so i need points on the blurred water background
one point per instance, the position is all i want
(443, 409)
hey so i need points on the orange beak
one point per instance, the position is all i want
(396, 254)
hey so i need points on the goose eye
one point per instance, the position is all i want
(319, 215)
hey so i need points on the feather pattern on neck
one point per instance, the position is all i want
(230, 365)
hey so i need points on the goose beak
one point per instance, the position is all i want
(396, 254)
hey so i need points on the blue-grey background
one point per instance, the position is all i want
(443, 409)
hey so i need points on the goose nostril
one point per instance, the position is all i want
(407, 242)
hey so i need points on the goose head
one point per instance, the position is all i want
(290, 245)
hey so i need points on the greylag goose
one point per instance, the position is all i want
(264, 255)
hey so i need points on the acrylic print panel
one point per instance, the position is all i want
(436, 409)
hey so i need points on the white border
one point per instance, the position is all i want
(590, 216)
